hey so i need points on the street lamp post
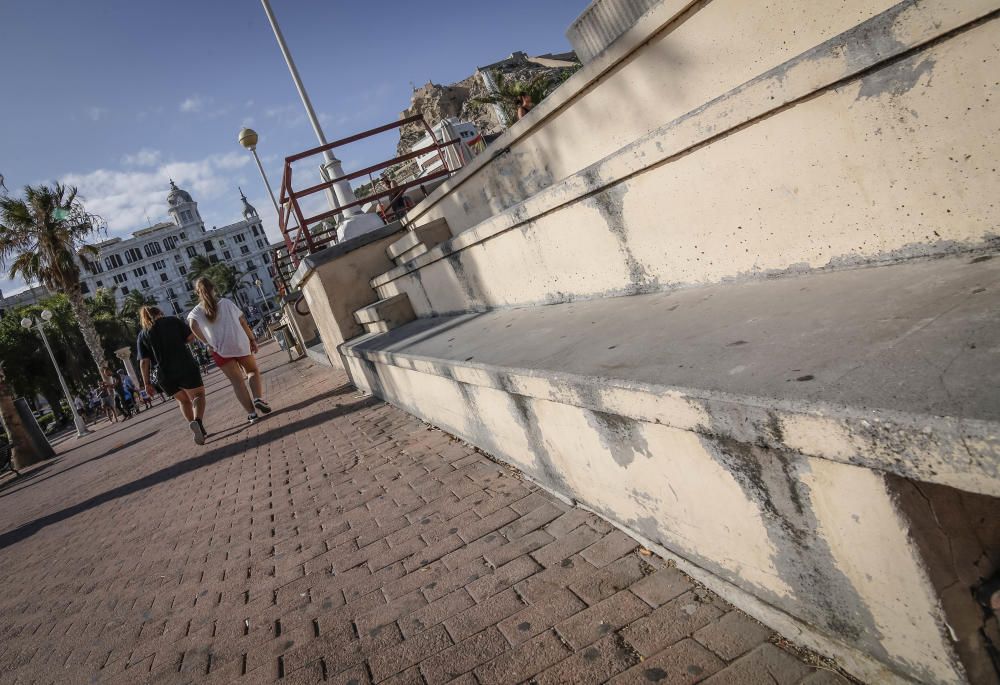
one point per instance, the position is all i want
(354, 221)
(263, 298)
(248, 138)
(81, 426)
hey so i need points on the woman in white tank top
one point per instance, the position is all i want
(220, 324)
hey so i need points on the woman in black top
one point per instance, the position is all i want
(163, 341)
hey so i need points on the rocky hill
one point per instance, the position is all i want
(459, 99)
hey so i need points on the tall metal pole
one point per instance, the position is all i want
(341, 193)
(267, 185)
(306, 102)
(81, 426)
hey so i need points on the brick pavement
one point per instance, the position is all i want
(339, 540)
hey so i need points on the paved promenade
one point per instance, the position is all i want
(339, 540)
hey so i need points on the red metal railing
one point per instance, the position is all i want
(303, 238)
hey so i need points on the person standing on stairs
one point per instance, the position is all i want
(222, 327)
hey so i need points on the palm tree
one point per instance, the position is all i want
(42, 237)
(23, 452)
(133, 302)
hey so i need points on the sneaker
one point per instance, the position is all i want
(253, 418)
(199, 432)
(262, 406)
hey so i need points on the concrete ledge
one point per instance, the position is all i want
(765, 433)
(332, 252)
(317, 353)
(904, 384)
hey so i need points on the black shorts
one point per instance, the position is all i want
(186, 381)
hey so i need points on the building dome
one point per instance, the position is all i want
(177, 196)
(249, 212)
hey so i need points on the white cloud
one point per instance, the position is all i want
(195, 103)
(96, 113)
(144, 157)
(125, 198)
(289, 116)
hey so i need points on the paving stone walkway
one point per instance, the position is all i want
(339, 540)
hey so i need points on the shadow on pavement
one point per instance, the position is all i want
(25, 482)
(179, 469)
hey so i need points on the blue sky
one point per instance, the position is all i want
(117, 96)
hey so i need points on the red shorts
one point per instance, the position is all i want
(221, 361)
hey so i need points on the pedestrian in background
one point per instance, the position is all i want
(164, 340)
(223, 328)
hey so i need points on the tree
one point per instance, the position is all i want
(42, 237)
(133, 302)
(509, 92)
(23, 452)
(227, 278)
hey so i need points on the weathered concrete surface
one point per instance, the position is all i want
(844, 154)
(742, 410)
(335, 280)
(339, 540)
(894, 367)
(679, 56)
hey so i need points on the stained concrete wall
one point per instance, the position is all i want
(877, 144)
(824, 543)
(332, 282)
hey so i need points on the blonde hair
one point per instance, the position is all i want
(148, 316)
(207, 297)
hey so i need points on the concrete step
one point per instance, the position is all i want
(767, 434)
(412, 253)
(429, 235)
(386, 314)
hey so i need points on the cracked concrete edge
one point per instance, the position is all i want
(911, 24)
(854, 662)
(958, 452)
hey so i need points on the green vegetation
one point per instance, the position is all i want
(41, 237)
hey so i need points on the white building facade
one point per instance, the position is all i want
(157, 260)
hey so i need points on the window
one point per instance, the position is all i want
(94, 266)
(186, 215)
(213, 259)
(132, 255)
(152, 249)
(113, 261)
(184, 236)
(260, 244)
(192, 252)
(99, 284)
(182, 269)
(139, 271)
(84, 288)
(163, 278)
(255, 230)
(178, 258)
(240, 238)
(159, 264)
(209, 247)
(266, 258)
(124, 290)
(120, 278)
(250, 265)
(270, 271)
(222, 242)
(170, 293)
(145, 284)
(244, 249)
(188, 286)
(170, 242)
(226, 255)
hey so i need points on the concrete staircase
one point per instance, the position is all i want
(385, 315)
(758, 334)
(418, 241)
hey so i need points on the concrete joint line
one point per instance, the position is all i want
(912, 25)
